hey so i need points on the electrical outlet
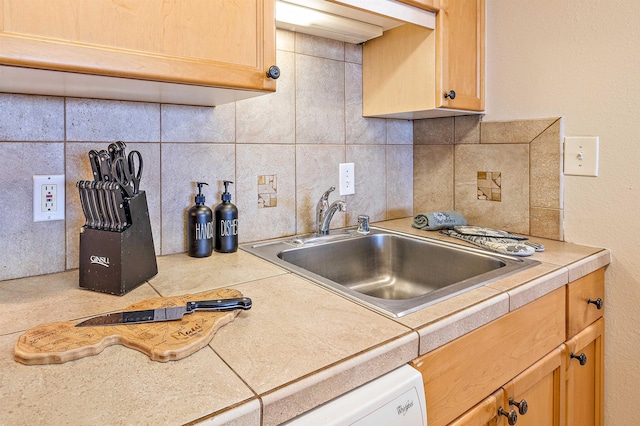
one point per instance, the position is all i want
(347, 179)
(48, 197)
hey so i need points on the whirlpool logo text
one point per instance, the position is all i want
(402, 409)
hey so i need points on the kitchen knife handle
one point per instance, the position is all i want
(221, 305)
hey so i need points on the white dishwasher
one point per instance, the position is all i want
(395, 399)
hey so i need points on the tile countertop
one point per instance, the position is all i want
(299, 346)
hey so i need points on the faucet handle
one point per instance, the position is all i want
(363, 224)
(325, 196)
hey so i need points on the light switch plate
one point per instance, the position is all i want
(581, 155)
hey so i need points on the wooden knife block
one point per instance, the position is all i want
(59, 342)
(118, 262)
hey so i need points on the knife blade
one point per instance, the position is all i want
(167, 314)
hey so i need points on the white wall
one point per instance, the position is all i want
(580, 59)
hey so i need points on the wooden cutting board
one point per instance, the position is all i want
(59, 342)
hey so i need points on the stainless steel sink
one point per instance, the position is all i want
(393, 273)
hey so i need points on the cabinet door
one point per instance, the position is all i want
(460, 34)
(201, 42)
(585, 382)
(538, 393)
(483, 414)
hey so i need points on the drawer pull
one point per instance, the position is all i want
(512, 416)
(597, 302)
(523, 407)
(451, 95)
(582, 358)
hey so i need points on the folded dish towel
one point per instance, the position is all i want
(495, 240)
(432, 221)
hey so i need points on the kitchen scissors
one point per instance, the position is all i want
(128, 172)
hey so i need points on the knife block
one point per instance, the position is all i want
(117, 262)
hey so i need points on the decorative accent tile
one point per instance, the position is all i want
(512, 162)
(490, 186)
(267, 191)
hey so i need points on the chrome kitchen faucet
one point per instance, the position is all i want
(325, 212)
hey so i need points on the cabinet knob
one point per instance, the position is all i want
(273, 72)
(512, 416)
(451, 95)
(597, 302)
(523, 407)
(582, 358)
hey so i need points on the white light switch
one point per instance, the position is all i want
(581, 155)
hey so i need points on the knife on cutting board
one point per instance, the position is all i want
(167, 314)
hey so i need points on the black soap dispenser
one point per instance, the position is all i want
(200, 227)
(226, 220)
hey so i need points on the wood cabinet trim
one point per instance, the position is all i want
(430, 5)
(60, 56)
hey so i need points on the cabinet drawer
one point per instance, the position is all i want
(462, 373)
(581, 313)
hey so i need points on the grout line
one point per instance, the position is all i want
(160, 237)
(66, 196)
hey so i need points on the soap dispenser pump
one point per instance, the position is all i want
(200, 227)
(226, 220)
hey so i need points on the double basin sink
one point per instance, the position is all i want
(393, 273)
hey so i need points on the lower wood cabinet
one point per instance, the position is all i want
(463, 372)
(585, 376)
(537, 394)
(535, 397)
(519, 369)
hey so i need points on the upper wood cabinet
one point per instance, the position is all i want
(413, 72)
(176, 44)
(461, 50)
